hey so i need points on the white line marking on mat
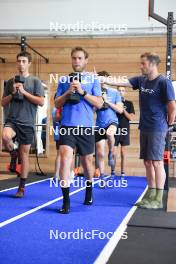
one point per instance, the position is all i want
(31, 183)
(13, 219)
(110, 246)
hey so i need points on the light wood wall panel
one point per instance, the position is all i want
(119, 56)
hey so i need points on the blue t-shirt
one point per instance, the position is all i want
(108, 116)
(56, 125)
(80, 114)
(153, 98)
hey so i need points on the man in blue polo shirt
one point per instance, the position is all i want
(77, 94)
(157, 112)
(107, 125)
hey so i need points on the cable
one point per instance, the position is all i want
(41, 173)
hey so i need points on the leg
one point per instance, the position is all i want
(160, 177)
(7, 135)
(100, 152)
(66, 156)
(7, 138)
(110, 136)
(115, 160)
(150, 173)
(87, 163)
(111, 141)
(151, 192)
(156, 143)
(57, 165)
(24, 156)
(122, 154)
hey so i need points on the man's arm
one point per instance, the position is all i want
(118, 107)
(6, 100)
(8, 94)
(94, 100)
(129, 116)
(112, 82)
(37, 100)
(171, 108)
(61, 99)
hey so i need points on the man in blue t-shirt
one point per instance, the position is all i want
(77, 93)
(157, 112)
(107, 125)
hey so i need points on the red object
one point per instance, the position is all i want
(18, 168)
(97, 173)
(167, 156)
(58, 113)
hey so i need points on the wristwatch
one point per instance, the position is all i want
(84, 93)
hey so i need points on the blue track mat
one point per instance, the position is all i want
(43, 236)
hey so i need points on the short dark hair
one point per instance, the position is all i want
(86, 54)
(103, 73)
(25, 54)
(152, 57)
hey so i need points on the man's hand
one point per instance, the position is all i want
(77, 87)
(14, 90)
(71, 89)
(19, 87)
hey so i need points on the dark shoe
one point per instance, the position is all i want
(20, 193)
(65, 209)
(88, 195)
(88, 202)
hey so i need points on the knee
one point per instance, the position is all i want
(6, 138)
(157, 163)
(65, 158)
(148, 163)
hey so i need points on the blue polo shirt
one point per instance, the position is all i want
(80, 114)
(108, 116)
(153, 98)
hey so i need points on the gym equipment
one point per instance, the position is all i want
(23, 45)
(169, 22)
(74, 97)
(18, 96)
(105, 105)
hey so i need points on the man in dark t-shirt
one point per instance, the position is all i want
(123, 135)
(22, 94)
(157, 112)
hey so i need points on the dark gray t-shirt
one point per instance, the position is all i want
(24, 112)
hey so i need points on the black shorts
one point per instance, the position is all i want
(24, 134)
(101, 132)
(83, 140)
(123, 140)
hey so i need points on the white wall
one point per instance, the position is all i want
(35, 16)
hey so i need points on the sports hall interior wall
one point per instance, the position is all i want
(119, 56)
